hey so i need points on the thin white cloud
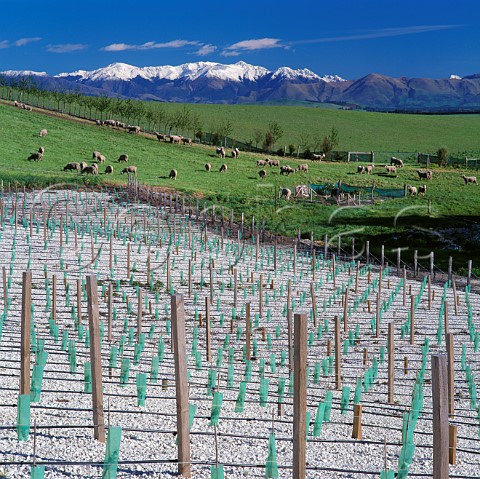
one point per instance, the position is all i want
(25, 41)
(4, 44)
(252, 45)
(66, 48)
(119, 47)
(380, 33)
(206, 50)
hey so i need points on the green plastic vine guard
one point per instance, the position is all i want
(141, 382)
(37, 472)
(112, 453)
(328, 405)
(87, 377)
(124, 371)
(271, 466)
(23, 417)
(319, 417)
(154, 369)
(216, 407)
(263, 391)
(240, 402)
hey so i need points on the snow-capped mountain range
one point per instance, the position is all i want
(208, 82)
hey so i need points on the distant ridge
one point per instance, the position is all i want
(209, 82)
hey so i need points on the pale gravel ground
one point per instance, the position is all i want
(148, 432)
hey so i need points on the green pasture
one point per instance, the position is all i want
(403, 222)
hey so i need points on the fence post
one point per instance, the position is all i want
(300, 397)
(338, 355)
(440, 417)
(391, 362)
(25, 334)
(181, 385)
(95, 358)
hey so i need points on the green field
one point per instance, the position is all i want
(453, 203)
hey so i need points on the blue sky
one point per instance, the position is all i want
(350, 38)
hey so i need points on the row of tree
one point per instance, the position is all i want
(154, 117)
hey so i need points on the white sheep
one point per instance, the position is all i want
(43, 132)
(173, 174)
(470, 179)
(208, 167)
(223, 168)
(412, 190)
(130, 169)
(422, 190)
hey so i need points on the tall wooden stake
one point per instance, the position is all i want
(207, 331)
(95, 358)
(451, 374)
(391, 362)
(25, 335)
(181, 385)
(248, 332)
(300, 398)
(440, 416)
(338, 355)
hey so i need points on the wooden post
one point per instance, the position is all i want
(248, 331)
(455, 297)
(445, 318)
(345, 312)
(139, 313)
(95, 358)
(382, 255)
(54, 298)
(211, 281)
(365, 356)
(357, 421)
(128, 260)
(338, 355)
(207, 331)
(399, 252)
(189, 278)
(450, 267)
(325, 247)
(431, 264)
(290, 338)
(300, 398)
(429, 291)
(356, 277)
(412, 319)
(260, 297)
(275, 254)
(235, 287)
(415, 263)
(450, 374)
(181, 385)
(110, 311)
(404, 286)
(391, 362)
(79, 301)
(452, 443)
(314, 264)
(110, 255)
(5, 294)
(314, 304)
(469, 272)
(25, 334)
(405, 365)
(377, 316)
(440, 416)
(367, 252)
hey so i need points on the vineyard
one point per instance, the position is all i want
(291, 353)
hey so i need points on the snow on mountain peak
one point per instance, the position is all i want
(332, 78)
(455, 77)
(23, 73)
(290, 74)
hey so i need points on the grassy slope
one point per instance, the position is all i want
(358, 130)
(240, 188)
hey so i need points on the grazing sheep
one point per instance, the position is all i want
(97, 156)
(36, 156)
(286, 170)
(99, 122)
(109, 170)
(285, 193)
(470, 179)
(131, 128)
(130, 169)
(208, 167)
(175, 139)
(422, 190)
(220, 152)
(94, 165)
(425, 175)
(223, 168)
(187, 141)
(396, 161)
(120, 124)
(72, 166)
(369, 169)
(83, 165)
(264, 162)
(391, 169)
(43, 133)
(161, 136)
(316, 157)
(41, 150)
(235, 152)
(360, 169)
(110, 122)
(412, 190)
(274, 163)
(262, 174)
(302, 167)
(173, 174)
(123, 158)
(90, 170)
